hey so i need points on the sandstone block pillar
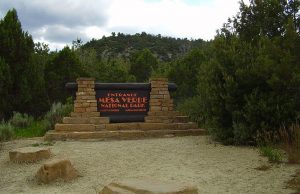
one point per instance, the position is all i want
(85, 104)
(160, 103)
(160, 100)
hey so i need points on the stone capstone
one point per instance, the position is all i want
(56, 169)
(29, 154)
(147, 186)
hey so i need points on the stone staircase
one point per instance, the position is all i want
(134, 130)
(85, 122)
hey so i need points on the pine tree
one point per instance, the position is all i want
(250, 84)
(142, 64)
(184, 73)
(5, 88)
(62, 68)
(16, 48)
(25, 76)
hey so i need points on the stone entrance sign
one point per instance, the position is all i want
(125, 102)
(122, 111)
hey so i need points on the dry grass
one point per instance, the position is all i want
(286, 138)
(263, 168)
(290, 140)
(294, 183)
(291, 144)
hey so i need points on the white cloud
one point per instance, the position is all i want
(95, 32)
(59, 22)
(52, 45)
(171, 17)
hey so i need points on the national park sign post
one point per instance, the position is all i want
(122, 111)
(122, 102)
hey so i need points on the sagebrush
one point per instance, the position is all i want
(21, 120)
(6, 131)
(56, 114)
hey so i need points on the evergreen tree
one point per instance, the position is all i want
(16, 49)
(118, 71)
(250, 85)
(40, 101)
(5, 88)
(62, 68)
(184, 73)
(264, 18)
(142, 64)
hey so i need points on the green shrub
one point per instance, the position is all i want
(36, 129)
(191, 107)
(21, 120)
(56, 114)
(271, 153)
(6, 131)
(245, 90)
(162, 71)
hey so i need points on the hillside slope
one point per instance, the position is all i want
(123, 45)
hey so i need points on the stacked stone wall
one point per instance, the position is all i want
(85, 104)
(85, 116)
(161, 108)
(160, 100)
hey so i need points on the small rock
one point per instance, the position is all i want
(143, 186)
(29, 154)
(59, 168)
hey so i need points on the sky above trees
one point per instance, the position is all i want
(59, 22)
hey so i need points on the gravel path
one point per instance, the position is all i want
(213, 168)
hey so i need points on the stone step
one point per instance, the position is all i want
(149, 126)
(149, 186)
(189, 125)
(75, 127)
(85, 114)
(164, 113)
(122, 126)
(166, 119)
(109, 189)
(29, 154)
(125, 126)
(119, 135)
(86, 120)
(181, 119)
(158, 119)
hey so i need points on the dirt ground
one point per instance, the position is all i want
(213, 168)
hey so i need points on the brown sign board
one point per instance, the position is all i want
(122, 102)
(126, 104)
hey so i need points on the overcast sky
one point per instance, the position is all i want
(58, 22)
